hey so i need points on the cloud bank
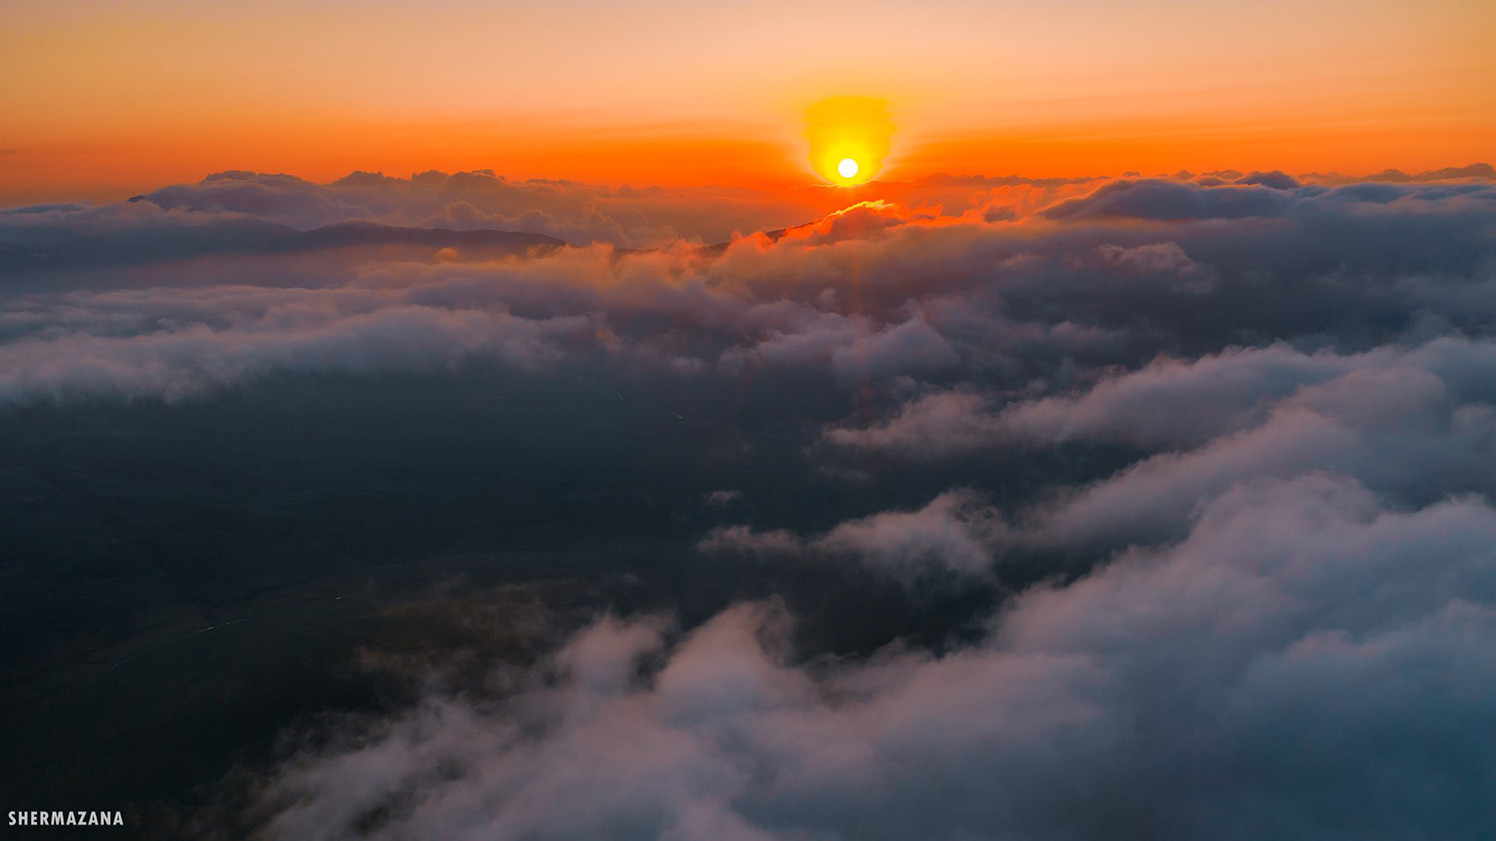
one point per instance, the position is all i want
(1306, 663)
(1214, 452)
(872, 293)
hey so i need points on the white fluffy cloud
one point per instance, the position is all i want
(1180, 403)
(1411, 423)
(1252, 680)
(955, 533)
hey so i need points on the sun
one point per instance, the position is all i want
(850, 138)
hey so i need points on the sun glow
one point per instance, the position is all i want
(849, 138)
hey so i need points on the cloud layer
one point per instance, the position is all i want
(1306, 663)
(1214, 452)
(868, 294)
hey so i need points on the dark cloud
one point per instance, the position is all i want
(61, 236)
(1275, 179)
(1168, 200)
(569, 211)
(1476, 171)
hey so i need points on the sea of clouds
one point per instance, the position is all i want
(1275, 619)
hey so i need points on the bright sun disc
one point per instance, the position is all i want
(850, 137)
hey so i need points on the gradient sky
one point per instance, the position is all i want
(101, 99)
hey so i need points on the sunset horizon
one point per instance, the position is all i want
(308, 89)
(665, 421)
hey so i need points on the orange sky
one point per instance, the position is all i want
(101, 99)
